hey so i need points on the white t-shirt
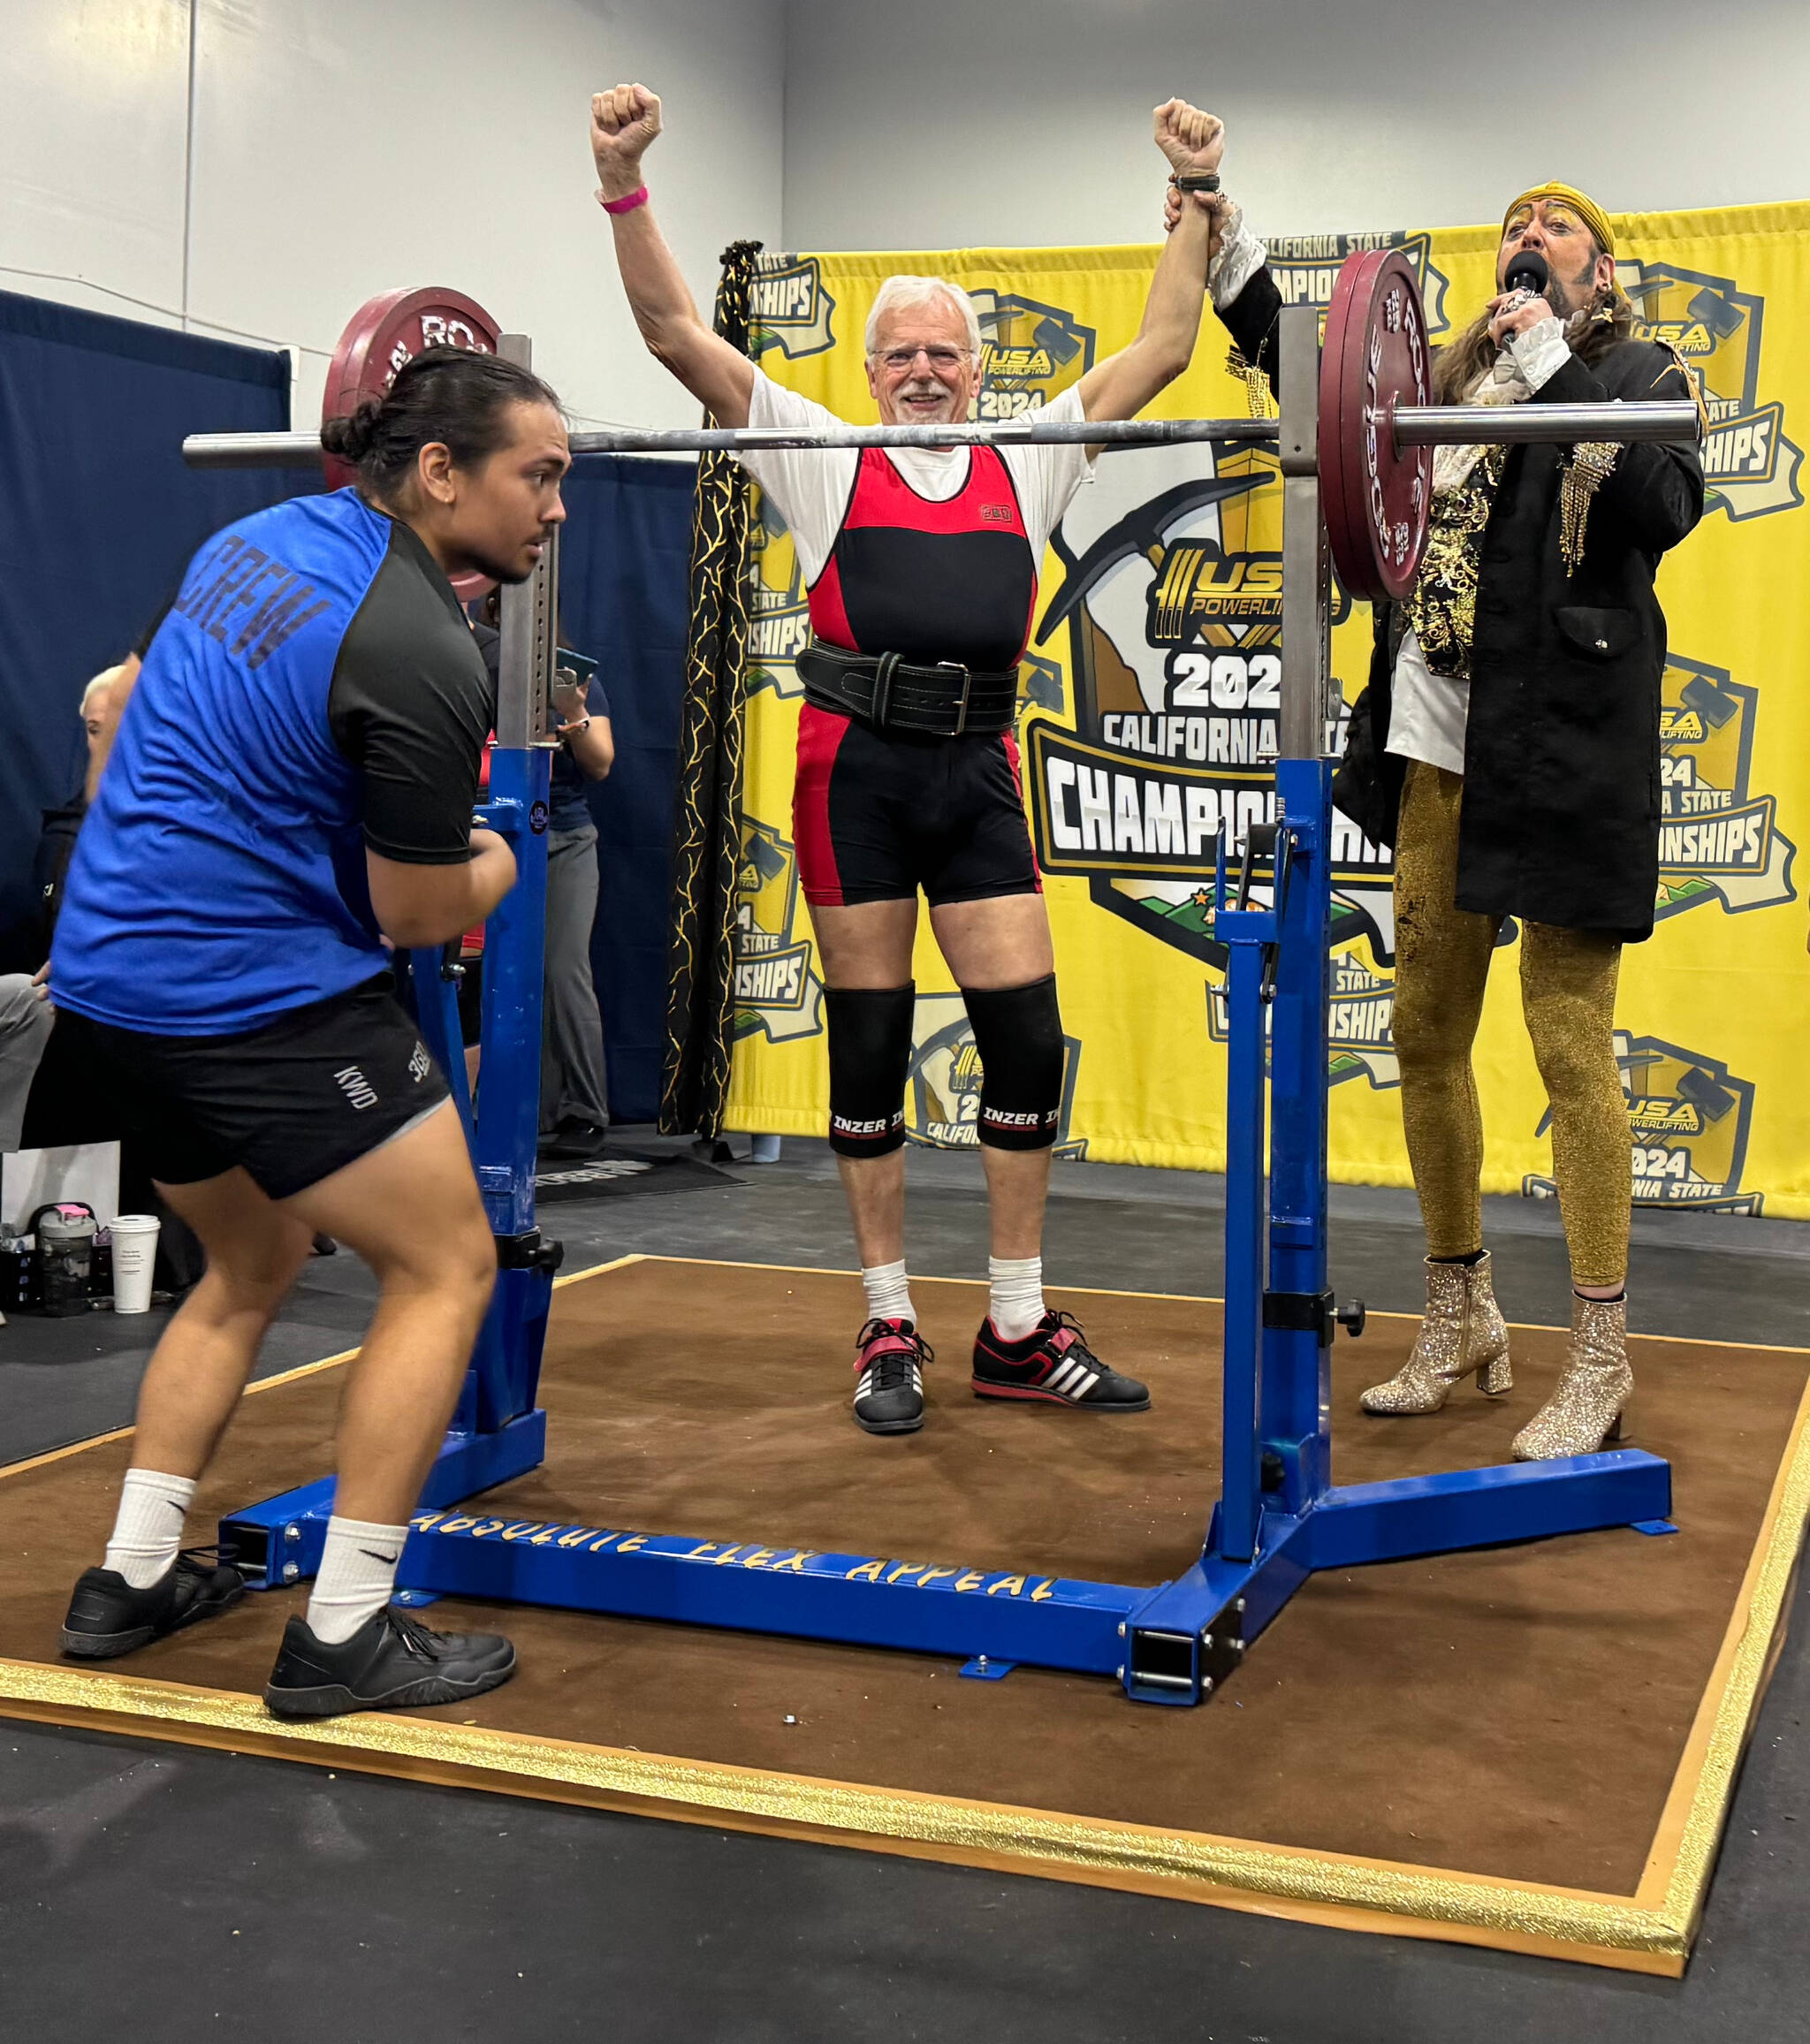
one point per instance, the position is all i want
(1428, 711)
(811, 487)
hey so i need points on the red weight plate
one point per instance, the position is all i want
(1377, 497)
(384, 333)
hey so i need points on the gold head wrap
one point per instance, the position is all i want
(1586, 209)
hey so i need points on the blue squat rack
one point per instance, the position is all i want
(1278, 1517)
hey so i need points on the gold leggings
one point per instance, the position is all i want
(1568, 995)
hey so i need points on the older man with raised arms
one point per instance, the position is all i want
(921, 568)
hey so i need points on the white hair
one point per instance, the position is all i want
(899, 292)
(105, 679)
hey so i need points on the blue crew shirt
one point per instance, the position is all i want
(314, 691)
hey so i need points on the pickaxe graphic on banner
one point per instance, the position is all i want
(1145, 530)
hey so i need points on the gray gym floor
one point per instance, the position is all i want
(171, 1895)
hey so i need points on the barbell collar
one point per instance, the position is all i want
(1676, 421)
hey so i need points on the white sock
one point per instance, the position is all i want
(149, 1529)
(1017, 1295)
(888, 1294)
(357, 1573)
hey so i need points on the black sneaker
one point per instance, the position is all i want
(1052, 1362)
(108, 1616)
(574, 1141)
(889, 1360)
(392, 1662)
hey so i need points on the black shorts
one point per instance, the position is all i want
(292, 1102)
(876, 816)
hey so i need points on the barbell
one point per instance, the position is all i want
(1376, 426)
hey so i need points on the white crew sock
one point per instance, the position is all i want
(888, 1294)
(357, 1573)
(1017, 1295)
(149, 1529)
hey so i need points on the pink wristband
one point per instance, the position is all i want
(638, 197)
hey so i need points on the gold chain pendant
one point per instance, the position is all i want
(1592, 463)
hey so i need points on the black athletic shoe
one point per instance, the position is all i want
(574, 1141)
(889, 1360)
(392, 1662)
(1052, 1362)
(108, 1616)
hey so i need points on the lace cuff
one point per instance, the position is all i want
(1240, 258)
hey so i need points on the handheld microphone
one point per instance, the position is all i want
(1528, 273)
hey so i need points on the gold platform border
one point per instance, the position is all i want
(1649, 1931)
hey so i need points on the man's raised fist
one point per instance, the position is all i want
(1192, 140)
(623, 122)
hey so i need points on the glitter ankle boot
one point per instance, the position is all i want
(1461, 1332)
(1586, 1411)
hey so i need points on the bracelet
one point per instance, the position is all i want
(566, 730)
(1194, 180)
(637, 197)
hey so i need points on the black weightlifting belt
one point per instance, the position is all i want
(946, 701)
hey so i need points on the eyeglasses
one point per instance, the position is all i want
(944, 361)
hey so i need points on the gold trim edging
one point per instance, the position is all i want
(1082, 1845)
(1611, 1929)
(1760, 1619)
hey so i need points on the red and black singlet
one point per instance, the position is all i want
(952, 580)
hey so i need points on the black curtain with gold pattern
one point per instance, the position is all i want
(701, 969)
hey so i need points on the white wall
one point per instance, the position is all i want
(341, 146)
(955, 123)
(94, 113)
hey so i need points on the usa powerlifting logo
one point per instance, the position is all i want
(1030, 352)
(1172, 610)
(789, 308)
(777, 994)
(1689, 1119)
(1172, 606)
(942, 1091)
(1719, 840)
(1750, 467)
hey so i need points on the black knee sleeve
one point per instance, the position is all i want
(870, 1032)
(1018, 1033)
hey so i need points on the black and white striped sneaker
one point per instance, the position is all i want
(889, 1360)
(1053, 1363)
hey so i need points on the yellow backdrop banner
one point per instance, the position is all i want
(1148, 717)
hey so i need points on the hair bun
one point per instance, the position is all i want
(351, 436)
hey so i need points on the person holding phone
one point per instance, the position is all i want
(575, 1097)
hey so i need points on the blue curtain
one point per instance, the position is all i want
(624, 560)
(98, 518)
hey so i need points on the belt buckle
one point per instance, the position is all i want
(962, 703)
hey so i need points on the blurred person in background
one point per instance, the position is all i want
(575, 1097)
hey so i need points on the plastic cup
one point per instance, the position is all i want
(134, 1257)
